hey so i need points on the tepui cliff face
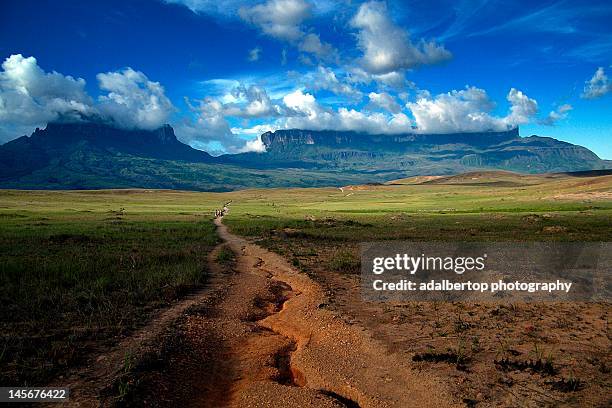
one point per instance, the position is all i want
(94, 155)
(296, 137)
(420, 153)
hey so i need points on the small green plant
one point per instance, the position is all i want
(344, 262)
(123, 388)
(537, 352)
(128, 362)
(124, 382)
(549, 358)
(461, 352)
(476, 347)
(569, 384)
(225, 255)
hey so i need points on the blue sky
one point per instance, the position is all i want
(221, 72)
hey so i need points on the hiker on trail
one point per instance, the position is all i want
(223, 211)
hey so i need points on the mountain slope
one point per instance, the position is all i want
(26, 154)
(418, 153)
(95, 155)
(86, 169)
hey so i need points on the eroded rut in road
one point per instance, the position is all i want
(325, 362)
(259, 336)
(222, 352)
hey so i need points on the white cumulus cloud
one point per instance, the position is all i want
(469, 110)
(522, 108)
(209, 126)
(258, 103)
(598, 85)
(31, 97)
(311, 43)
(255, 145)
(254, 54)
(133, 100)
(211, 131)
(385, 101)
(303, 103)
(309, 114)
(325, 78)
(387, 47)
(556, 115)
(283, 20)
(280, 19)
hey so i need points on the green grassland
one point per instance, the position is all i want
(319, 232)
(479, 207)
(80, 268)
(85, 169)
(328, 224)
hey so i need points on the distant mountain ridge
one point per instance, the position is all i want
(24, 154)
(283, 138)
(88, 155)
(418, 153)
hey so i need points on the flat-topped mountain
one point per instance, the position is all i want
(418, 153)
(283, 139)
(88, 155)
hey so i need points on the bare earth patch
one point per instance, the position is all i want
(590, 195)
(537, 354)
(266, 339)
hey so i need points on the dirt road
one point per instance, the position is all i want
(258, 336)
(326, 357)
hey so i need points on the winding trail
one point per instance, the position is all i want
(330, 358)
(258, 336)
(89, 383)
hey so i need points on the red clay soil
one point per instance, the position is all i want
(258, 336)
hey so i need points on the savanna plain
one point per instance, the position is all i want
(84, 272)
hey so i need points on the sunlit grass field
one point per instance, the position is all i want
(538, 208)
(319, 233)
(80, 268)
